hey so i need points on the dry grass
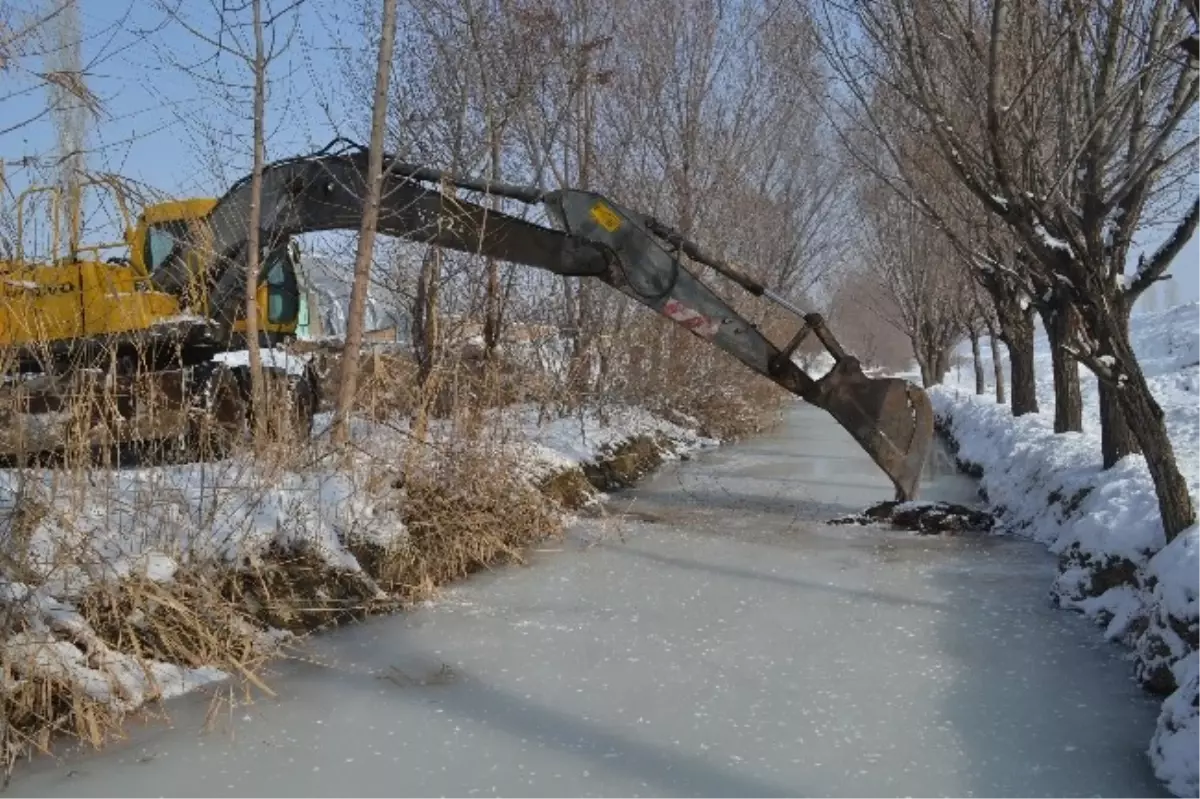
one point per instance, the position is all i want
(76, 670)
(617, 467)
(188, 621)
(462, 515)
(622, 465)
(38, 710)
(299, 591)
(676, 373)
(388, 383)
(464, 507)
(569, 489)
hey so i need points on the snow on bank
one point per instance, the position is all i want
(68, 532)
(1115, 565)
(539, 445)
(571, 442)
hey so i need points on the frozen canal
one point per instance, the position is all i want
(710, 638)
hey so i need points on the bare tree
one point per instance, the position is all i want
(348, 377)
(710, 130)
(922, 277)
(890, 150)
(863, 314)
(1002, 270)
(47, 33)
(982, 322)
(69, 113)
(441, 112)
(975, 310)
(699, 123)
(997, 363)
(1072, 124)
(253, 243)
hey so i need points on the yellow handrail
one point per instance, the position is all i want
(54, 210)
(106, 181)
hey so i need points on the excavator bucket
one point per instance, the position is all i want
(891, 419)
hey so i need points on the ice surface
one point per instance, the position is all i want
(1037, 475)
(712, 638)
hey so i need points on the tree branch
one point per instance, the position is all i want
(1151, 270)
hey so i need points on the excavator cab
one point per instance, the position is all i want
(278, 293)
(66, 289)
(177, 229)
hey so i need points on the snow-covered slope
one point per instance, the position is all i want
(1115, 565)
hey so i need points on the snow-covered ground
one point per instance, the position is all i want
(1115, 565)
(74, 531)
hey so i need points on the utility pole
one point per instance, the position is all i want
(69, 114)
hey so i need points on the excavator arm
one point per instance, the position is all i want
(890, 418)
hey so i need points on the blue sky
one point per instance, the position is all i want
(157, 118)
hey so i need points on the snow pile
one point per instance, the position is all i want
(571, 442)
(67, 538)
(151, 519)
(540, 445)
(1114, 563)
(59, 644)
(1173, 749)
(270, 357)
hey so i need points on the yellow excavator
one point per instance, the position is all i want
(163, 330)
(94, 355)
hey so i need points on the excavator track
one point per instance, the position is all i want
(145, 417)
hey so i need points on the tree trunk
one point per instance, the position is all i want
(942, 361)
(1116, 438)
(491, 312)
(578, 307)
(1015, 320)
(932, 358)
(1025, 390)
(977, 362)
(1018, 337)
(253, 244)
(926, 374)
(425, 315)
(348, 379)
(1146, 419)
(1061, 323)
(491, 319)
(997, 363)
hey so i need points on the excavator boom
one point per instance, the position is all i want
(890, 418)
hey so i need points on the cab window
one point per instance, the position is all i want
(161, 240)
(283, 296)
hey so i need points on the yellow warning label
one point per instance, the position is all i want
(606, 217)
